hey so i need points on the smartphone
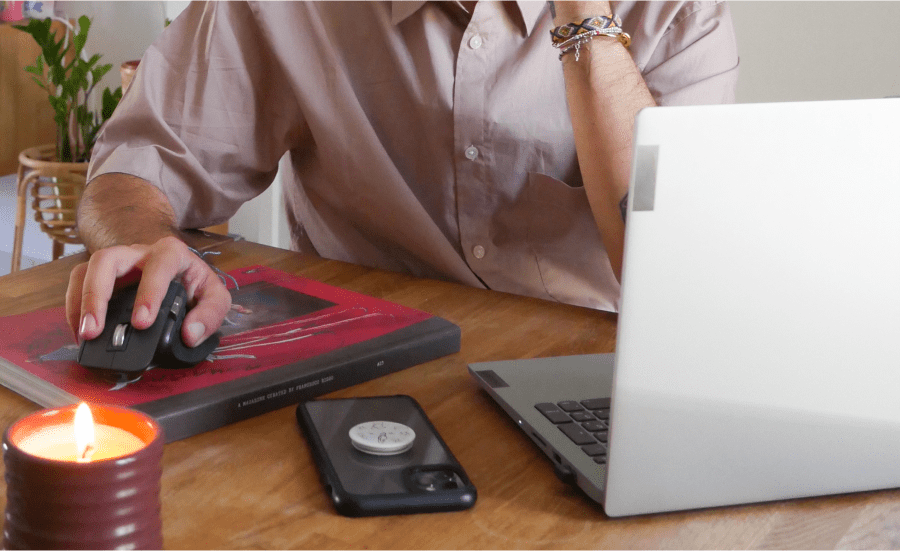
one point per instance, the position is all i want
(382, 456)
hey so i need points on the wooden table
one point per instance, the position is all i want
(253, 484)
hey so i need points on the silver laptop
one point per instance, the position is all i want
(758, 345)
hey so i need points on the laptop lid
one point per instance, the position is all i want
(758, 351)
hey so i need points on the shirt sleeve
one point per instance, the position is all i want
(694, 60)
(207, 117)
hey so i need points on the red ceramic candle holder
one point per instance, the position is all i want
(64, 504)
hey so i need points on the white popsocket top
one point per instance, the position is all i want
(382, 437)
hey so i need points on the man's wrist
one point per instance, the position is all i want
(572, 36)
(120, 209)
(575, 12)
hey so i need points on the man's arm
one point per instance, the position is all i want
(201, 128)
(128, 224)
(605, 91)
(120, 209)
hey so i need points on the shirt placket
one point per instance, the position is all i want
(472, 153)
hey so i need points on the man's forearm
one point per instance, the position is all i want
(605, 91)
(120, 209)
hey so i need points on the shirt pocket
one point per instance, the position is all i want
(563, 237)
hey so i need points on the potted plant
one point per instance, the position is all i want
(69, 80)
(56, 173)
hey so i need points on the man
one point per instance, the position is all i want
(448, 140)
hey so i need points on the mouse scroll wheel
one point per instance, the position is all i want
(118, 338)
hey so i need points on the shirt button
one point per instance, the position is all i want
(478, 251)
(475, 42)
(471, 153)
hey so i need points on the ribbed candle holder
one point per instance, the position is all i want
(110, 503)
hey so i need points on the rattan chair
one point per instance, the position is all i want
(55, 190)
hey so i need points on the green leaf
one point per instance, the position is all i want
(54, 50)
(39, 83)
(60, 105)
(66, 154)
(76, 82)
(110, 102)
(57, 75)
(37, 28)
(105, 68)
(80, 39)
(93, 60)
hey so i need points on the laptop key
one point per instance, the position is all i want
(546, 406)
(594, 426)
(581, 416)
(594, 449)
(600, 459)
(557, 417)
(602, 414)
(553, 413)
(601, 436)
(570, 405)
(596, 403)
(577, 434)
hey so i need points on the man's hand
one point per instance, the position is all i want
(129, 227)
(91, 285)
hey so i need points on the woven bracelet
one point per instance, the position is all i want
(571, 36)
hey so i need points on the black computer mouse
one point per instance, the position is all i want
(122, 353)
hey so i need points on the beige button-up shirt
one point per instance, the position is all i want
(422, 138)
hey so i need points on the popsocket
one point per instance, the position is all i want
(382, 437)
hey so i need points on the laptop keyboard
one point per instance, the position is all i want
(586, 423)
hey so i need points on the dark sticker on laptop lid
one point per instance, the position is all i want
(646, 158)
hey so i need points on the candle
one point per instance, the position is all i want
(60, 441)
(87, 479)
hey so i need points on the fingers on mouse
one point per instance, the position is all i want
(123, 353)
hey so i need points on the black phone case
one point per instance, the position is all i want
(361, 484)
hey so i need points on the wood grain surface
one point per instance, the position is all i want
(253, 484)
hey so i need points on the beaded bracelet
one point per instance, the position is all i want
(571, 36)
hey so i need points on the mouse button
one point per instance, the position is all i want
(173, 294)
(94, 355)
(192, 356)
(139, 350)
(168, 334)
(121, 304)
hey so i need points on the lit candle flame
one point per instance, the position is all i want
(84, 433)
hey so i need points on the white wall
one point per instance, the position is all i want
(796, 51)
(120, 31)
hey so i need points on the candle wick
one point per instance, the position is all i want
(89, 450)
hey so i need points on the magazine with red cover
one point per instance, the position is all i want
(286, 339)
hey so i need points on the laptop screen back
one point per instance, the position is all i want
(758, 352)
